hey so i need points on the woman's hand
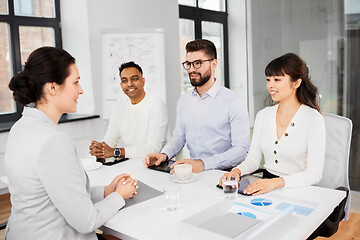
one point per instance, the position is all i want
(234, 174)
(112, 186)
(127, 187)
(261, 186)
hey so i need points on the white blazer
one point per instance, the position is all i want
(50, 193)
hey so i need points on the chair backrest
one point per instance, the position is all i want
(336, 167)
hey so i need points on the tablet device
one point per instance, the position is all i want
(242, 185)
(163, 167)
(102, 160)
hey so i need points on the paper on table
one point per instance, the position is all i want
(248, 211)
(230, 224)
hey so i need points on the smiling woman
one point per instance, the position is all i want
(44, 206)
(290, 134)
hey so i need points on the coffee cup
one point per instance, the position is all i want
(183, 171)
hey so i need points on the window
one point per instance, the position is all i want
(25, 25)
(204, 19)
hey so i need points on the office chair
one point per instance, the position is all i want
(336, 170)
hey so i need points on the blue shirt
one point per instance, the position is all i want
(215, 128)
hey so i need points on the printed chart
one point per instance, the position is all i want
(249, 211)
(267, 208)
(247, 214)
(261, 202)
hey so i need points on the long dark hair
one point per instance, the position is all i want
(45, 64)
(292, 65)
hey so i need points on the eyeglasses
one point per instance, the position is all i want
(196, 64)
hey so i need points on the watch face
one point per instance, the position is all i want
(117, 152)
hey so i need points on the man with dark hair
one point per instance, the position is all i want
(129, 65)
(211, 119)
(139, 120)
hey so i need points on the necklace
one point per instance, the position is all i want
(282, 124)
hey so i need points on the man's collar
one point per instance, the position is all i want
(212, 92)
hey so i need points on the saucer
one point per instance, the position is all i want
(191, 179)
(92, 167)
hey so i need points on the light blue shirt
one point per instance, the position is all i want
(215, 128)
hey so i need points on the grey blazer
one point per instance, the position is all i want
(50, 193)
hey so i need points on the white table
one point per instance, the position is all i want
(150, 220)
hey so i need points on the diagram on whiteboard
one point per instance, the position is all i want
(145, 48)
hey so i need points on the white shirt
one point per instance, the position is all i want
(215, 128)
(298, 156)
(142, 126)
(50, 193)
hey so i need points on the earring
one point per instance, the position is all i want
(52, 90)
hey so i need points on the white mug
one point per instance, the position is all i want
(183, 171)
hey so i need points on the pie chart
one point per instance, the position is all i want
(247, 214)
(261, 202)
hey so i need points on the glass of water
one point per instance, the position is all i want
(172, 197)
(230, 188)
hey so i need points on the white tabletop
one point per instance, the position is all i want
(150, 219)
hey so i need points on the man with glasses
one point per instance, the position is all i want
(211, 119)
(139, 120)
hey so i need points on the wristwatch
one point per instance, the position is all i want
(117, 153)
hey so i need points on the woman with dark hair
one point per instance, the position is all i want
(50, 193)
(290, 134)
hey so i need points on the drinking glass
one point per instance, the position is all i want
(172, 197)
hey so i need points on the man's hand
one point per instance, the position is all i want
(234, 174)
(197, 165)
(154, 159)
(101, 149)
(96, 149)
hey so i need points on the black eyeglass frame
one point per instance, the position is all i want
(187, 67)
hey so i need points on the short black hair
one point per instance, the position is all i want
(202, 44)
(129, 65)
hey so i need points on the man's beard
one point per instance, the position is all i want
(202, 79)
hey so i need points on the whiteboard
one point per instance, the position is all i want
(143, 46)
